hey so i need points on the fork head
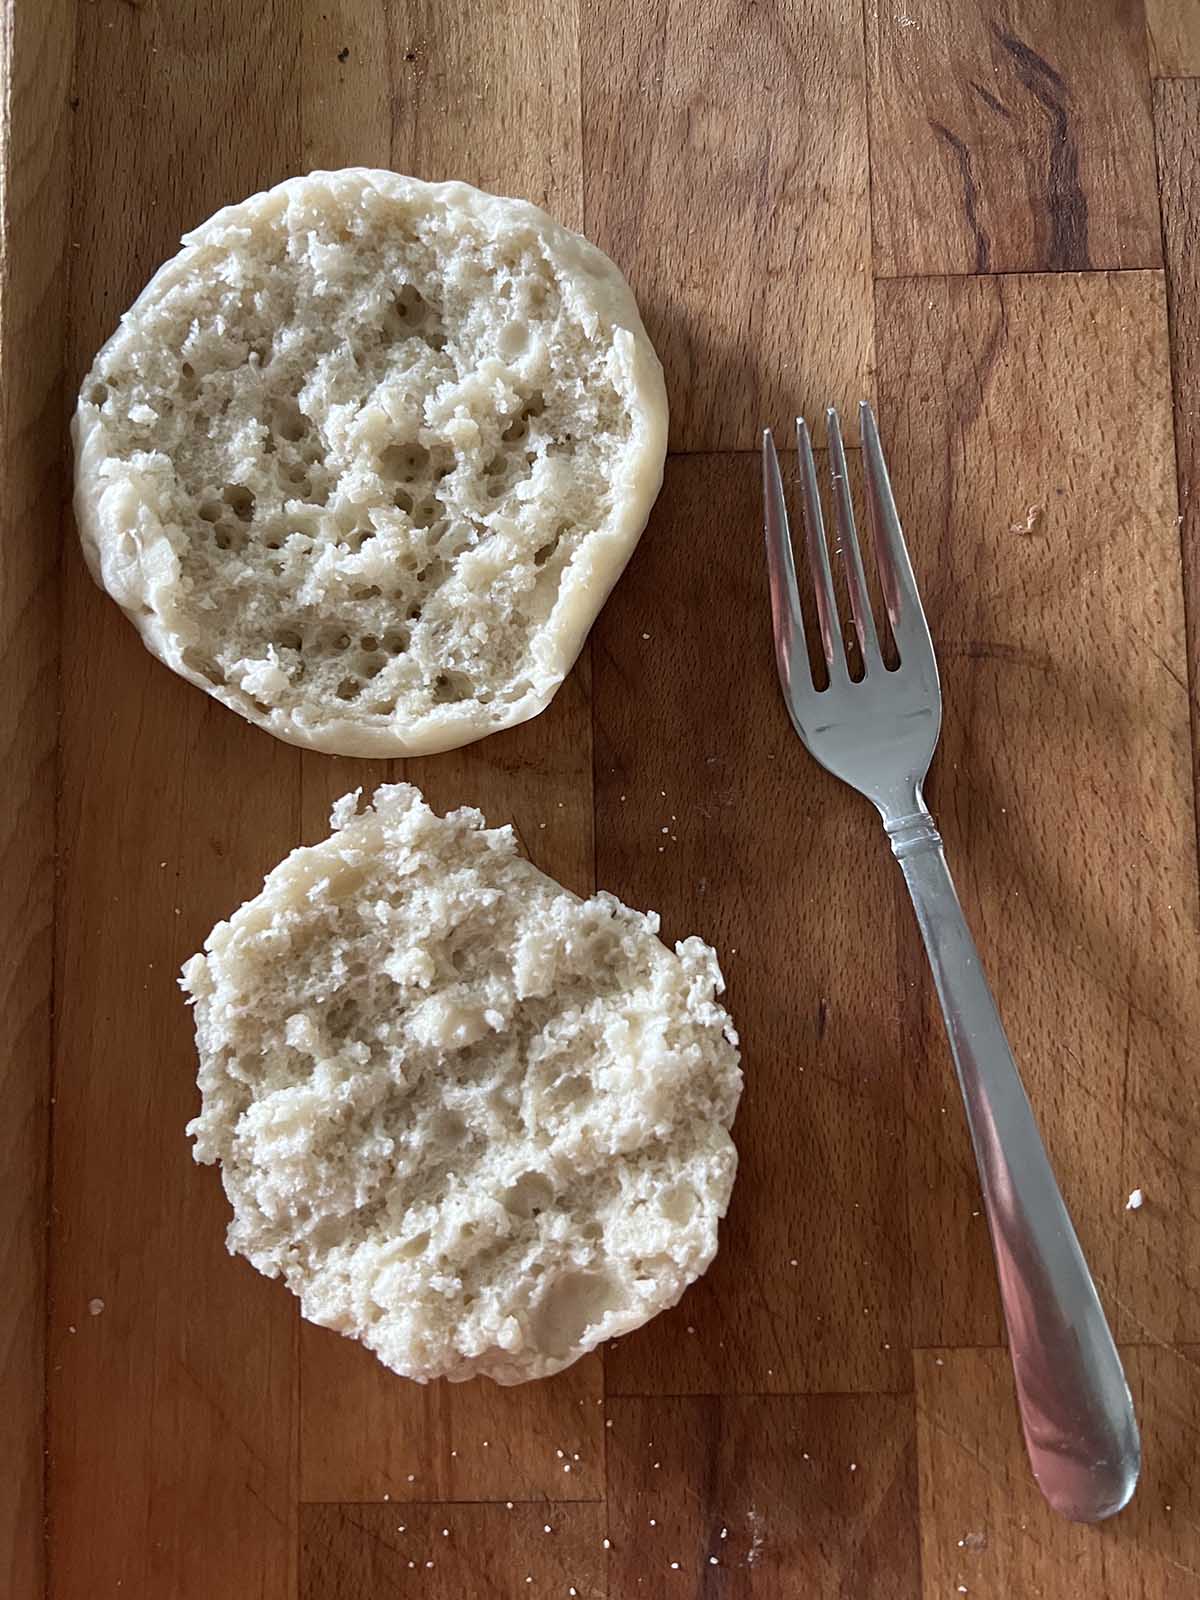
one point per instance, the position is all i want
(877, 734)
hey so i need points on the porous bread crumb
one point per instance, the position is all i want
(364, 459)
(472, 1120)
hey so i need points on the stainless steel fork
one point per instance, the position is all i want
(879, 734)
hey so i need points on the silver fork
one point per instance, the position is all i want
(878, 735)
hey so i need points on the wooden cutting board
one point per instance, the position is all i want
(954, 207)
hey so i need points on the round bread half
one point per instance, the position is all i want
(365, 458)
(472, 1120)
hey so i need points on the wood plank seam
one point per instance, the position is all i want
(67, 534)
(1178, 409)
(1023, 272)
(35, 66)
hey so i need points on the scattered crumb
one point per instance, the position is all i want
(854, 1466)
(608, 1544)
(645, 636)
(713, 1562)
(1135, 1201)
(756, 1538)
(724, 1533)
(95, 1307)
(1032, 517)
(546, 1528)
(674, 1566)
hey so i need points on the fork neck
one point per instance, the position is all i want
(912, 833)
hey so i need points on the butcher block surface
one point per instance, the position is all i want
(982, 216)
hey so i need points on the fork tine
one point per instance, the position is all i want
(856, 581)
(818, 554)
(909, 628)
(786, 618)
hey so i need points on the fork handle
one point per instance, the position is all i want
(1076, 1409)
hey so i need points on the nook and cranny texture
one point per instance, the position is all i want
(365, 458)
(472, 1120)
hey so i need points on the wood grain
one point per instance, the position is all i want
(1173, 29)
(987, 1532)
(486, 93)
(1010, 139)
(1163, 1258)
(35, 66)
(735, 200)
(444, 1441)
(1028, 426)
(777, 1497)
(781, 868)
(168, 1357)
(1177, 132)
(173, 1366)
(448, 1552)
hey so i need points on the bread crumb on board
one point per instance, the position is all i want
(1033, 517)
